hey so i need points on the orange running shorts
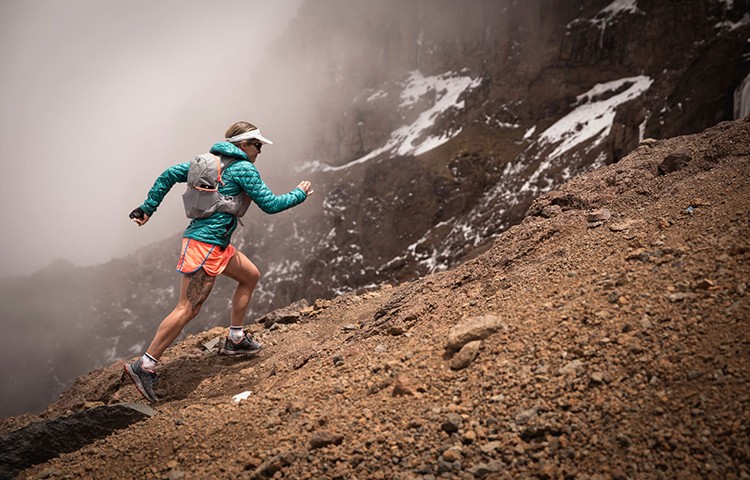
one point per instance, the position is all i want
(196, 255)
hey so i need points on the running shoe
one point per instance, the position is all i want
(246, 345)
(144, 380)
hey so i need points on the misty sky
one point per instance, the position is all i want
(98, 97)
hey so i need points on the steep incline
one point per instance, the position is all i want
(428, 128)
(607, 334)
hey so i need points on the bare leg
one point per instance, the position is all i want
(241, 269)
(194, 290)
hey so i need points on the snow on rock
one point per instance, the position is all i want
(377, 96)
(414, 138)
(592, 118)
(607, 15)
(588, 124)
(448, 88)
(729, 25)
(497, 123)
(617, 7)
(742, 99)
(529, 133)
(591, 121)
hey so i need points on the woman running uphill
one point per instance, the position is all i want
(206, 251)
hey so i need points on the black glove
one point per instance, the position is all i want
(137, 213)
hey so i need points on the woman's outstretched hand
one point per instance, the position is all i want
(139, 216)
(306, 187)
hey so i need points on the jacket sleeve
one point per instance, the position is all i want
(250, 181)
(162, 186)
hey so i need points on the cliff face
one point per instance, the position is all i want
(433, 125)
(441, 122)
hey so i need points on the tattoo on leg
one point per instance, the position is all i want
(199, 287)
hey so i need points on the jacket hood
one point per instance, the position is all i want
(228, 149)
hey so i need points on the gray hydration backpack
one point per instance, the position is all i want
(202, 197)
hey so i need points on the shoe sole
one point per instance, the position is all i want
(138, 384)
(230, 353)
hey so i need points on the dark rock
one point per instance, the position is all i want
(675, 161)
(445, 466)
(622, 440)
(452, 423)
(40, 441)
(536, 432)
(289, 314)
(323, 438)
(396, 330)
(268, 468)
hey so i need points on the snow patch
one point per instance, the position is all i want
(617, 7)
(529, 133)
(377, 96)
(642, 130)
(590, 121)
(413, 139)
(607, 15)
(742, 99)
(593, 117)
(497, 123)
(729, 26)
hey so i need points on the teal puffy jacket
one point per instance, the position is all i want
(241, 175)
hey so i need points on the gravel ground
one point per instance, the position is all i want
(605, 337)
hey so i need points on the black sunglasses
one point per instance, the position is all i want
(257, 145)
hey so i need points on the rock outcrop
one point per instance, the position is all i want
(46, 439)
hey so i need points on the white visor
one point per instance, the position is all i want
(249, 136)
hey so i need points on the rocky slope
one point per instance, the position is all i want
(605, 336)
(428, 129)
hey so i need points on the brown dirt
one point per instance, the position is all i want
(625, 354)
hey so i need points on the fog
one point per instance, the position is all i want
(98, 97)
